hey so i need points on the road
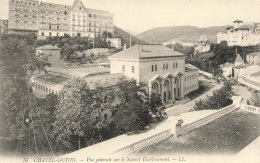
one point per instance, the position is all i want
(183, 108)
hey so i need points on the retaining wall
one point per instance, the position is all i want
(204, 121)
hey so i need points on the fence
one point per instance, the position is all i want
(250, 108)
(143, 143)
(206, 120)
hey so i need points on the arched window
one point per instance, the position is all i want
(123, 68)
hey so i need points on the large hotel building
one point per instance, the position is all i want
(49, 19)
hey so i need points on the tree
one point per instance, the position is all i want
(218, 100)
(72, 122)
(156, 107)
(256, 98)
(132, 114)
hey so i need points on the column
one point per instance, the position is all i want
(161, 89)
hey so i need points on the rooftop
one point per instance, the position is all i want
(146, 51)
(80, 71)
(52, 78)
(48, 47)
(227, 64)
(256, 74)
(239, 58)
(237, 20)
(254, 54)
(103, 80)
(189, 67)
(244, 65)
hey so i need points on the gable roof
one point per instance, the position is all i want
(48, 47)
(145, 51)
(238, 58)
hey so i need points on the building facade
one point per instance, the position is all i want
(50, 19)
(253, 58)
(162, 69)
(241, 34)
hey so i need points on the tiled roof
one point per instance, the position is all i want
(145, 51)
(254, 54)
(103, 80)
(48, 47)
(227, 64)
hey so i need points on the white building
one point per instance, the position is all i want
(115, 42)
(202, 45)
(163, 70)
(253, 58)
(226, 69)
(241, 34)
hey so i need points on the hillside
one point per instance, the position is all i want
(125, 37)
(180, 33)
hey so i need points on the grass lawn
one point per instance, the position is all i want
(226, 135)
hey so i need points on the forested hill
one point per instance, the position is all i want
(125, 37)
(180, 33)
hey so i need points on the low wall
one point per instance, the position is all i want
(204, 121)
(143, 143)
(250, 108)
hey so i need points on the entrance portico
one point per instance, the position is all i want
(168, 86)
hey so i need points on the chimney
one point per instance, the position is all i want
(124, 46)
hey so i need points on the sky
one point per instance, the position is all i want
(140, 15)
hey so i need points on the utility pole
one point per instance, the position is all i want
(93, 42)
(130, 40)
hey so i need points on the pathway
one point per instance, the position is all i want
(183, 108)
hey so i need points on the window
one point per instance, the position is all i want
(12, 1)
(49, 26)
(42, 33)
(167, 66)
(89, 24)
(50, 34)
(163, 66)
(155, 67)
(152, 68)
(58, 34)
(105, 116)
(176, 64)
(33, 4)
(89, 15)
(173, 65)
(185, 78)
(133, 69)
(58, 27)
(65, 12)
(29, 3)
(123, 68)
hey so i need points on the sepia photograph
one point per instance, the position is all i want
(129, 81)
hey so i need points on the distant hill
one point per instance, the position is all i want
(180, 33)
(125, 37)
